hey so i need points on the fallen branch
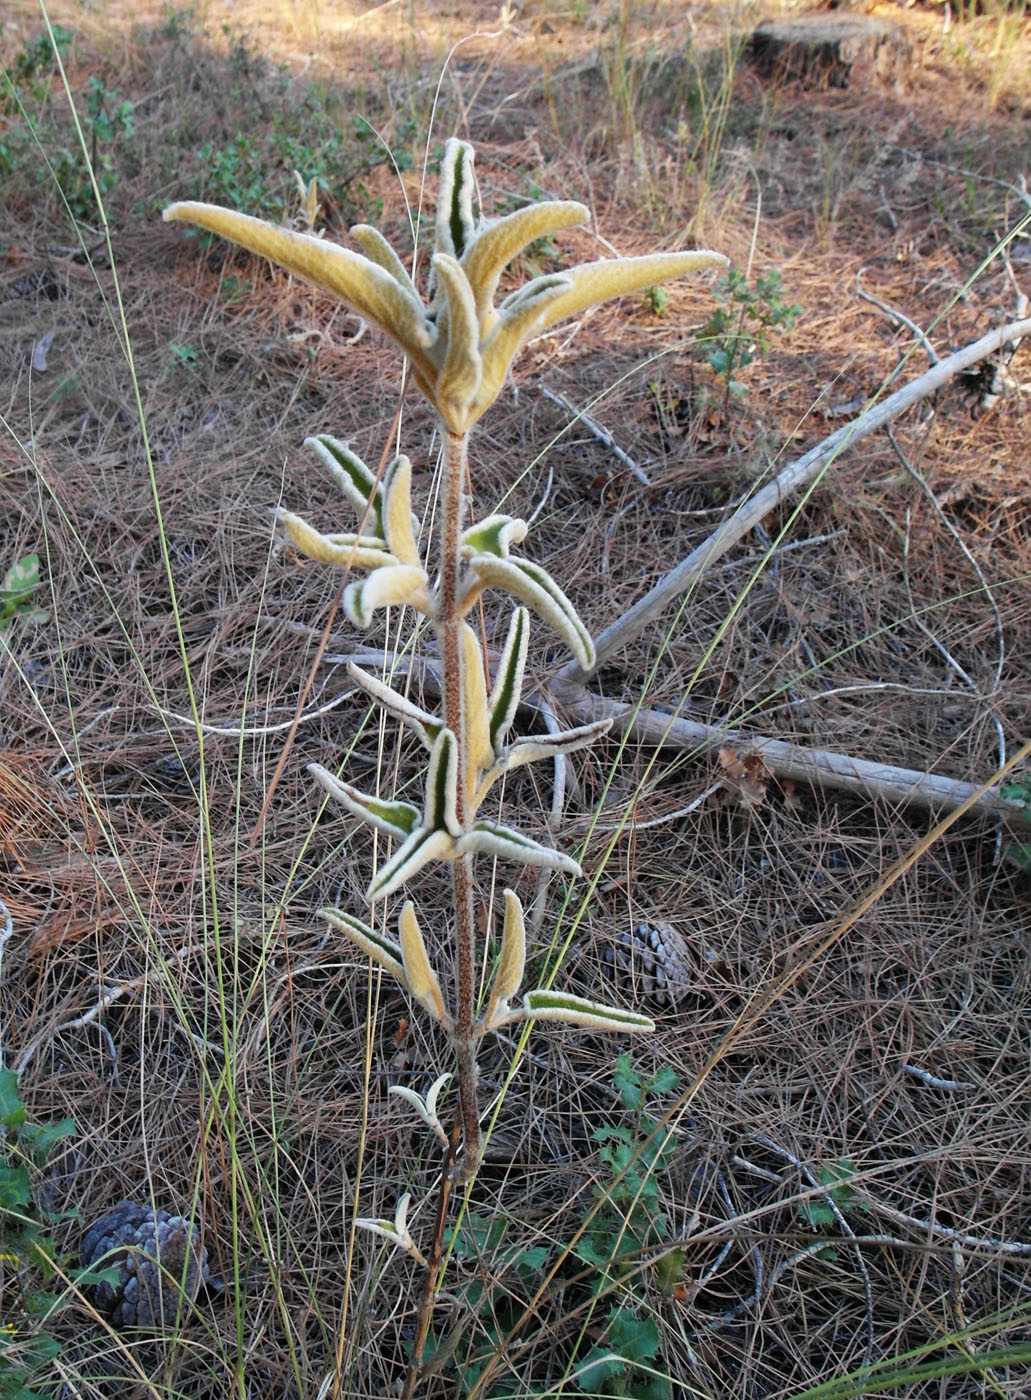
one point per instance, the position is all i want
(816, 767)
(819, 768)
(569, 681)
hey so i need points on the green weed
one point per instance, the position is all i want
(1018, 853)
(656, 301)
(629, 1225)
(20, 583)
(29, 1260)
(740, 329)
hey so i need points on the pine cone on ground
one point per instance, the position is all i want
(653, 962)
(160, 1260)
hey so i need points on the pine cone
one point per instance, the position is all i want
(653, 961)
(151, 1249)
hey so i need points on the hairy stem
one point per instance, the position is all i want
(448, 625)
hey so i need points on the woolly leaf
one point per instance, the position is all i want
(399, 584)
(396, 1230)
(420, 848)
(421, 978)
(340, 551)
(533, 586)
(520, 316)
(592, 283)
(427, 726)
(441, 785)
(494, 535)
(376, 247)
(395, 818)
(459, 378)
(353, 478)
(508, 683)
(529, 750)
(377, 946)
(496, 244)
(545, 1005)
(493, 839)
(355, 280)
(456, 214)
(474, 703)
(511, 961)
(398, 526)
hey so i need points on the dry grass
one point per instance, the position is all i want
(240, 1068)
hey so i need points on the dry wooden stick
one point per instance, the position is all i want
(568, 682)
(817, 767)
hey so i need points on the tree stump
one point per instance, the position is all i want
(822, 50)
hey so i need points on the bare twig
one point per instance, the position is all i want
(901, 317)
(932, 1081)
(257, 731)
(604, 437)
(807, 468)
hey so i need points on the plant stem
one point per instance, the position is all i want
(434, 1256)
(448, 626)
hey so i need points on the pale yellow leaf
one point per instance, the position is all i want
(356, 280)
(498, 243)
(474, 703)
(421, 977)
(397, 513)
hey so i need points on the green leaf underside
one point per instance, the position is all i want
(533, 586)
(544, 1005)
(491, 838)
(420, 848)
(457, 222)
(508, 684)
(424, 724)
(375, 945)
(494, 535)
(352, 476)
(441, 778)
(394, 817)
(538, 746)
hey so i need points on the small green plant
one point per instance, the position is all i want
(38, 58)
(110, 121)
(181, 358)
(628, 1226)
(460, 347)
(1018, 853)
(819, 1211)
(28, 1254)
(656, 301)
(492, 1301)
(20, 582)
(823, 1212)
(740, 329)
(25, 79)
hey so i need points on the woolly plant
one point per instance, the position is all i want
(459, 345)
